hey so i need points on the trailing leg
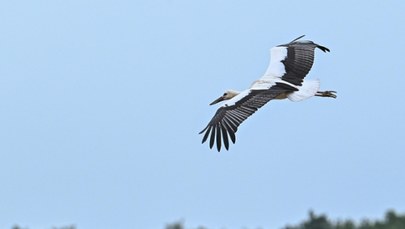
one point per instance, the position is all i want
(330, 94)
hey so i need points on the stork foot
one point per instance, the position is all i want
(330, 94)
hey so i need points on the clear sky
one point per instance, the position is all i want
(101, 103)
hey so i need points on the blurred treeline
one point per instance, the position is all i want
(391, 220)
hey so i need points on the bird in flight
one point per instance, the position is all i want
(284, 78)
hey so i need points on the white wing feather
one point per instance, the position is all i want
(276, 67)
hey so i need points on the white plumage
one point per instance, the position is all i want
(276, 67)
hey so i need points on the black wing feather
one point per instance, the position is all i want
(225, 136)
(227, 119)
(218, 137)
(212, 139)
(299, 60)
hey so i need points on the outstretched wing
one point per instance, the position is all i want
(292, 61)
(227, 119)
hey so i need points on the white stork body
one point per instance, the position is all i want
(284, 78)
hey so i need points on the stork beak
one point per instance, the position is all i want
(218, 100)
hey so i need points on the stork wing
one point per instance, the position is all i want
(227, 119)
(292, 61)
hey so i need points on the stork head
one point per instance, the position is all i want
(227, 95)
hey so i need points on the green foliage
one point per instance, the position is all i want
(17, 227)
(390, 221)
(177, 225)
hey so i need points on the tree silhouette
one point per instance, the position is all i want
(314, 221)
(391, 221)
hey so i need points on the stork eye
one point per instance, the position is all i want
(225, 94)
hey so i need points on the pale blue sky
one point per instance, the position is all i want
(101, 103)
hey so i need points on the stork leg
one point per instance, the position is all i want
(330, 94)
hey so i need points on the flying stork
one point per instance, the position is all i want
(284, 78)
